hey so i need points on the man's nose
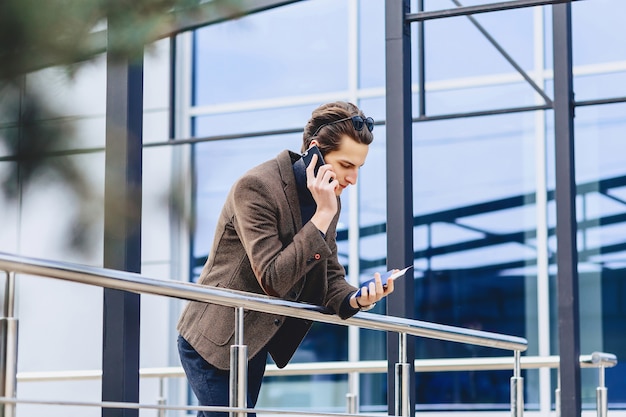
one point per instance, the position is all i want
(352, 177)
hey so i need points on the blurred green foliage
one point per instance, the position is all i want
(40, 33)
(37, 34)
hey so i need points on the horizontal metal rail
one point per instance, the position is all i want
(595, 360)
(127, 281)
(162, 407)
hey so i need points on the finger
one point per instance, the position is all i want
(389, 288)
(328, 177)
(364, 292)
(310, 168)
(372, 295)
(379, 283)
(326, 173)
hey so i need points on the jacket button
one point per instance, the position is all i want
(293, 294)
(276, 322)
(317, 256)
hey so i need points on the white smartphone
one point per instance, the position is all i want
(389, 275)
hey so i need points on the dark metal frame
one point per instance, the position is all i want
(567, 253)
(122, 230)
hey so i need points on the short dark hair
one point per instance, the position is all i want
(329, 136)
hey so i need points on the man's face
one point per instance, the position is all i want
(346, 161)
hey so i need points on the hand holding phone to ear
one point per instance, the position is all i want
(321, 183)
(307, 157)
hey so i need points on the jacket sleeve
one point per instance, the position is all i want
(339, 290)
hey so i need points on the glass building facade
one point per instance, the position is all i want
(484, 215)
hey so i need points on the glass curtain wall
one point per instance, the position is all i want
(600, 129)
(484, 215)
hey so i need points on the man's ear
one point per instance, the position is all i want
(314, 142)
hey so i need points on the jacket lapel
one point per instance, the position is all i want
(285, 167)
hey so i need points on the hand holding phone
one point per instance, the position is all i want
(308, 155)
(389, 275)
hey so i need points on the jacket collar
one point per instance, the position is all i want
(285, 161)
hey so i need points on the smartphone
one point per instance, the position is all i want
(308, 155)
(389, 275)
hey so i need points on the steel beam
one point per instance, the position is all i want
(567, 255)
(122, 230)
(481, 8)
(401, 302)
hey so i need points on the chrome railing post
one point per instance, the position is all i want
(351, 403)
(602, 359)
(161, 399)
(517, 388)
(238, 368)
(402, 379)
(8, 347)
(601, 394)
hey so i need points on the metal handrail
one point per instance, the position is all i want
(127, 281)
(137, 283)
(346, 367)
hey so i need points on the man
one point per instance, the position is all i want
(276, 236)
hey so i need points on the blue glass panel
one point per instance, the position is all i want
(598, 46)
(217, 166)
(613, 319)
(600, 161)
(471, 178)
(479, 98)
(258, 120)
(600, 147)
(466, 161)
(601, 85)
(599, 31)
(456, 48)
(288, 51)
(601, 212)
(371, 44)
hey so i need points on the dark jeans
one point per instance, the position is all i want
(210, 384)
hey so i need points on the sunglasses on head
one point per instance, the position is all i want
(357, 123)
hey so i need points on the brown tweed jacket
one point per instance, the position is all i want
(260, 246)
